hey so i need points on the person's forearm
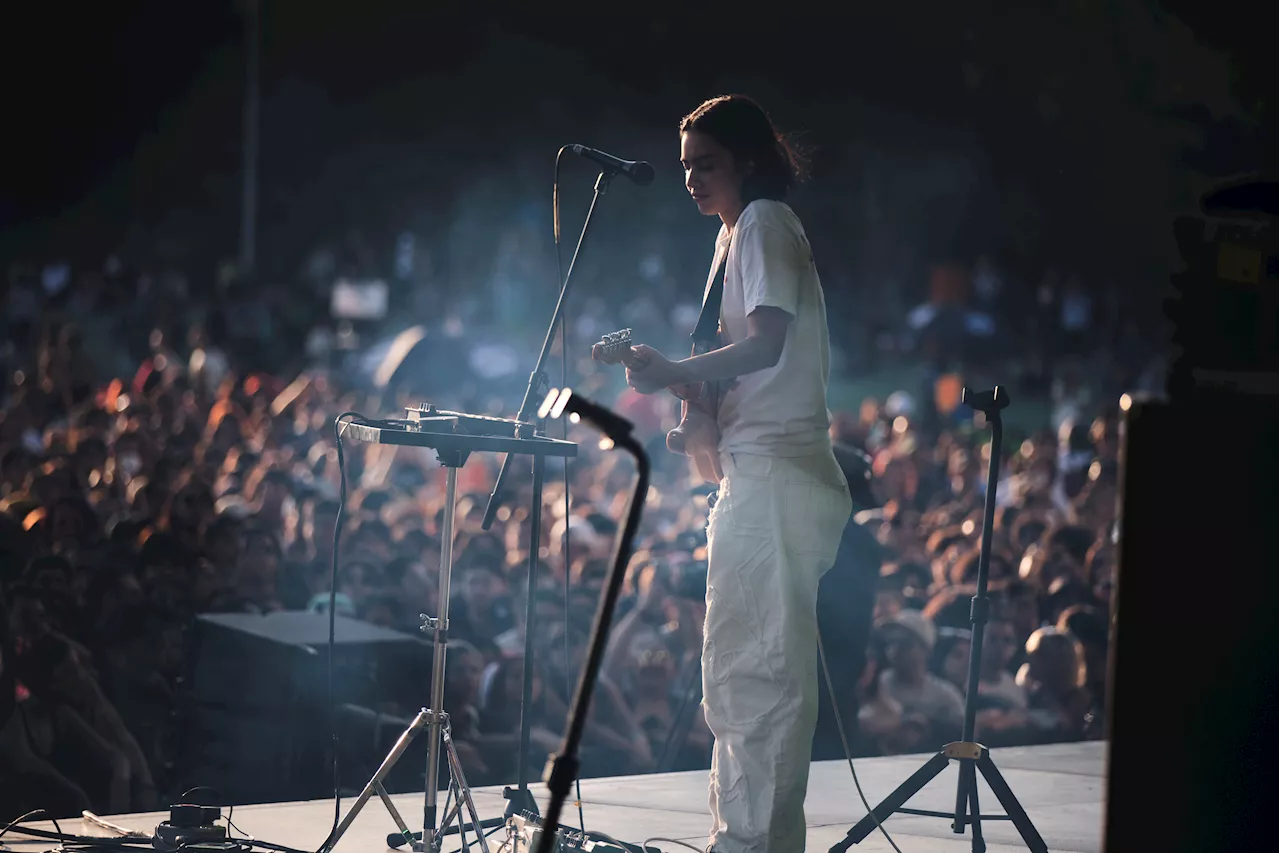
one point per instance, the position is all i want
(737, 359)
(497, 740)
(620, 643)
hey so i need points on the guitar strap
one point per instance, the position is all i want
(707, 330)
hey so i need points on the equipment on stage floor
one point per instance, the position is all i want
(1195, 543)
(524, 835)
(191, 828)
(972, 756)
(254, 722)
(446, 433)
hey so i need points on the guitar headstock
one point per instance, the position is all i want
(613, 347)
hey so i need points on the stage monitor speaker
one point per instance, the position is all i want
(256, 726)
(1192, 686)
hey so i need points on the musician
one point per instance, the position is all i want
(783, 501)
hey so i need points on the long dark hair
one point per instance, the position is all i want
(744, 128)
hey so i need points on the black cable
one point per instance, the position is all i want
(844, 742)
(333, 607)
(95, 842)
(232, 825)
(20, 818)
(564, 426)
(62, 837)
(490, 831)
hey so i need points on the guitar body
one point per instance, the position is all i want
(698, 435)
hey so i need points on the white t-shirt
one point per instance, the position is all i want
(781, 411)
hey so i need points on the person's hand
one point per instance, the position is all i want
(655, 372)
(641, 753)
(470, 757)
(1000, 720)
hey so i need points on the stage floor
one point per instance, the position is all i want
(1061, 787)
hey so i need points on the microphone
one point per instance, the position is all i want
(640, 172)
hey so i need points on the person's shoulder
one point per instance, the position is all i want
(949, 690)
(768, 213)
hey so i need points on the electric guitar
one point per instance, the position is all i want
(697, 436)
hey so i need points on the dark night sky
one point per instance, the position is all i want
(93, 83)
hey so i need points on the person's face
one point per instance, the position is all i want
(258, 557)
(653, 594)
(888, 603)
(465, 669)
(480, 588)
(512, 681)
(29, 618)
(710, 175)
(66, 527)
(895, 481)
(223, 548)
(654, 671)
(357, 578)
(420, 587)
(955, 667)
(999, 644)
(371, 545)
(906, 653)
(380, 614)
(128, 461)
(1025, 615)
(205, 581)
(54, 581)
(1060, 565)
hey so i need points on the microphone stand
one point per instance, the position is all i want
(563, 767)
(972, 756)
(520, 799)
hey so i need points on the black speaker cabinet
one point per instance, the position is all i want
(1193, 673)
(257, 727)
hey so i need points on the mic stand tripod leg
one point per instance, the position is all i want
(463, 793)
(375, 784)
(405, 832)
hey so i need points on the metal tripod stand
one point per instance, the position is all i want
(973, 757)
(447, 434)
(459, 793)
(434, 719)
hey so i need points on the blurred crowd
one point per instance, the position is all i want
(179, 478)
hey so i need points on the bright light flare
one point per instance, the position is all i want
(554, 404)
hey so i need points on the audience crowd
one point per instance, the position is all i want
(194, 483)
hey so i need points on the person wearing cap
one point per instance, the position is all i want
(924, 698)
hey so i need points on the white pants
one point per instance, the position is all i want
(773, 533)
